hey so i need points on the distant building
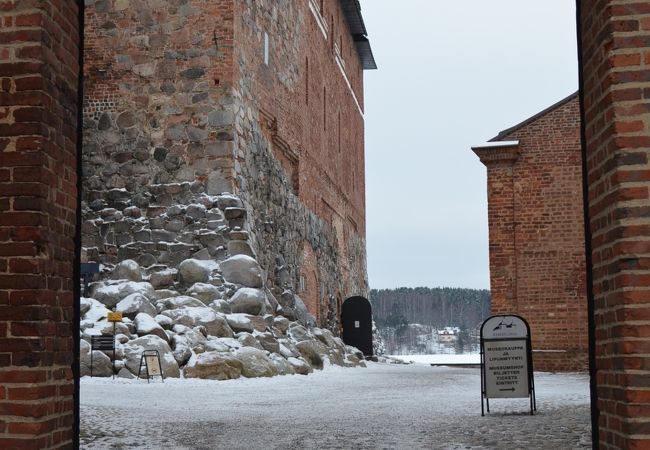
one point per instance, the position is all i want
(448, 334)
(536, 220)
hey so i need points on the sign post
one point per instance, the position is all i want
(506, 360)
(102, 343)
(114, 317)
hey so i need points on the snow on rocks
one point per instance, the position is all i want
(180, 301)
(242, 269)
(189, 286)
(163, 278)
(300, 366)
(204, 292)
(196, 270)
(240, 322)
(145, 324)
(281, 323)
(249, 301)
(133, 304)
(127, 270)
(255, 363)
(313, 352)
(214, 366)
(192, 316)
(112, 292)
(94, 310)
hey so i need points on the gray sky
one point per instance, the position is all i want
(451, 75)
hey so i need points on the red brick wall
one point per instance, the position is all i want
(309, 98)
(615, 42)
(537, 261)
(304, 89)
(38, 116)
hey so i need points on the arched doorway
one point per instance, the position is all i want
(356, 320)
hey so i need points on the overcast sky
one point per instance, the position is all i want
(451, 75)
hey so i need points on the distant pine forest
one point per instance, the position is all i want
(409, 319)
(438, 307)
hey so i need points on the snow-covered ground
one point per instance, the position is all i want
(471, 358)
(382, 406)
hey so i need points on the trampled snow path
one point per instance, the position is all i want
(382, 406)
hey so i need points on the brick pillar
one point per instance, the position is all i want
(39, 65)
(499, 161)
(615, 84)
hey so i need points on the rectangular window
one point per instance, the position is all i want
(266, 48)
(339, 131)
(307, 80)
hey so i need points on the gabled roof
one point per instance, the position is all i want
(554, 106)
(352, 12)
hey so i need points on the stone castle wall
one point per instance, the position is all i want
(180, 101)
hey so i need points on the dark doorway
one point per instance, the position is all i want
(356, 320)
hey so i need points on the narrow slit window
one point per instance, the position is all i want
(266, 48)
(324, 108)
(339, 131)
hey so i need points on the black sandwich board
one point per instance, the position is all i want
(356, 318)
(102, 343)
(506, 360)
(150, 360)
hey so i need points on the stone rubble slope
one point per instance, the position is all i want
(208, 314)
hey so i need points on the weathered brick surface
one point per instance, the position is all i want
(537, 261)
(307, 114)
(38, 116)
(615, 43)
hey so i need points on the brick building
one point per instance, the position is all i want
(536, 216)
(39, 64)
(261, 99)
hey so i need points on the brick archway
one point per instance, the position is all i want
(39, 150)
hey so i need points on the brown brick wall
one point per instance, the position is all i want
(312, 92)
(615, 51)
(537, 262)
(38, 197)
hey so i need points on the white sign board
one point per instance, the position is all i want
(506, 369)
(502, 327)
(153, 365)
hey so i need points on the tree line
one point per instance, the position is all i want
(438, 307)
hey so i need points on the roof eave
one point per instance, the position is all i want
(354, 18)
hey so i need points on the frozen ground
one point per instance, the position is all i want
(380, 407)
(469, 358)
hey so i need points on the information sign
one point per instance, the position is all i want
(114, 316)
(150, 364)
(506, 369)
(153, 365)
(506, 360)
